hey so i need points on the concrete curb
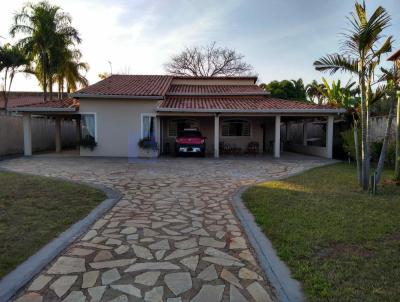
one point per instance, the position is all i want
(27, 270)
(286, 288)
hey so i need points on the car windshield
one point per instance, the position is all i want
(190, 133)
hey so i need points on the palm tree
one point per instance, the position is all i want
(46, 29)
(313, 91)
(69, 73)
(392, 77)
(12, 60)
(300, 91)
(338, 96)
(361, 52)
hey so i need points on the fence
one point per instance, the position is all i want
(43, 134)
(378, 128)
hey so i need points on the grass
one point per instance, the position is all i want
(34, 210)
(342, 244)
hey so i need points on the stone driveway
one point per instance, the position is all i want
(172, 237)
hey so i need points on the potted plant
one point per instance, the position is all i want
(88, 142)
(148, 147)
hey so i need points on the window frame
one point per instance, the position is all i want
(142, 115)
(95, 123)
(236, 136)
(177, 120)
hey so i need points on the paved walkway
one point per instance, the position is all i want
(172, 237)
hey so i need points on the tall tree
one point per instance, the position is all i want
(313, 91)
(12, 61)
(210, 61)
(69, 72)
(289, 90)
(392, 77)
(46, 29)
(362, 49)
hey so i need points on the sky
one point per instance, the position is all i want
(280, 38)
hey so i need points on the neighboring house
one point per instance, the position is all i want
(122, 109)
(23, 98)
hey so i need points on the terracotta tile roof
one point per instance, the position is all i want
(253, 78)
(69, 103)
(235, 103)
(23, 98)
(395, 56)
(176, 89)
(129, 85)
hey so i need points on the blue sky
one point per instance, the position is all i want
(280, 38)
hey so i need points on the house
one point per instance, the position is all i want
(121, 109)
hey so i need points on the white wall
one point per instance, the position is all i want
(43, 134)
(118, 125)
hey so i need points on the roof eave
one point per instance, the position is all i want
(394, 56)
(323, 111)
(218, 94)
(115, 96)
(41, 109)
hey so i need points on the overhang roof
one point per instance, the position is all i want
(128, 86)
(181, 89)
(394, 56)
(262, 104)
(66, 105)
(23, 98)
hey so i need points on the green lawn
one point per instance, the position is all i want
(342, 244)
(34, 210)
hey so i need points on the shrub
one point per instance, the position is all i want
(147, 143)
(376, 147)
(88, 142)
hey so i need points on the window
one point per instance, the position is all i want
(88, 126)
(148, 126)
(177, 126)
(236, 128)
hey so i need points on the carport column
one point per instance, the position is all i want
(277, 144)
(329, 137)
(158, 134)
(26, 120)
(216, 135)
(305, 133)
(58, 134)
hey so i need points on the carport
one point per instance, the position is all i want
(58, 110)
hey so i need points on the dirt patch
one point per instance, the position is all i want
(338, 250)
(389, 181)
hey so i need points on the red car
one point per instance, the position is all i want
(190, 141)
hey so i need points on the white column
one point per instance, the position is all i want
(58, 134)
(78, 131)
(26, 120)
(277, 143)
(305, 133)
(329, 137)
(158, 134)
(216, 136)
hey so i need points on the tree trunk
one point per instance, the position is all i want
(364, 136)
(397, 167)
(44, 62)
(382, 157)
(357, 150)
(51, 87)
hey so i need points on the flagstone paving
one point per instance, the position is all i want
(172, 237)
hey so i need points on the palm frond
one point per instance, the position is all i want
(335, 62)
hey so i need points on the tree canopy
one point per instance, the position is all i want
(209, 60)
(286, 89)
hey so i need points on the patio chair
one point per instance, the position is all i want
(253, 148)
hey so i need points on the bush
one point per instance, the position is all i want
(348, 142)
(146, 143)
(376, 147)
(88, 142)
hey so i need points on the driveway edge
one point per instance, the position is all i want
(26, 271)
(286, 288)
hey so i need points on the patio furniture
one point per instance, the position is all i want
(253, 148)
